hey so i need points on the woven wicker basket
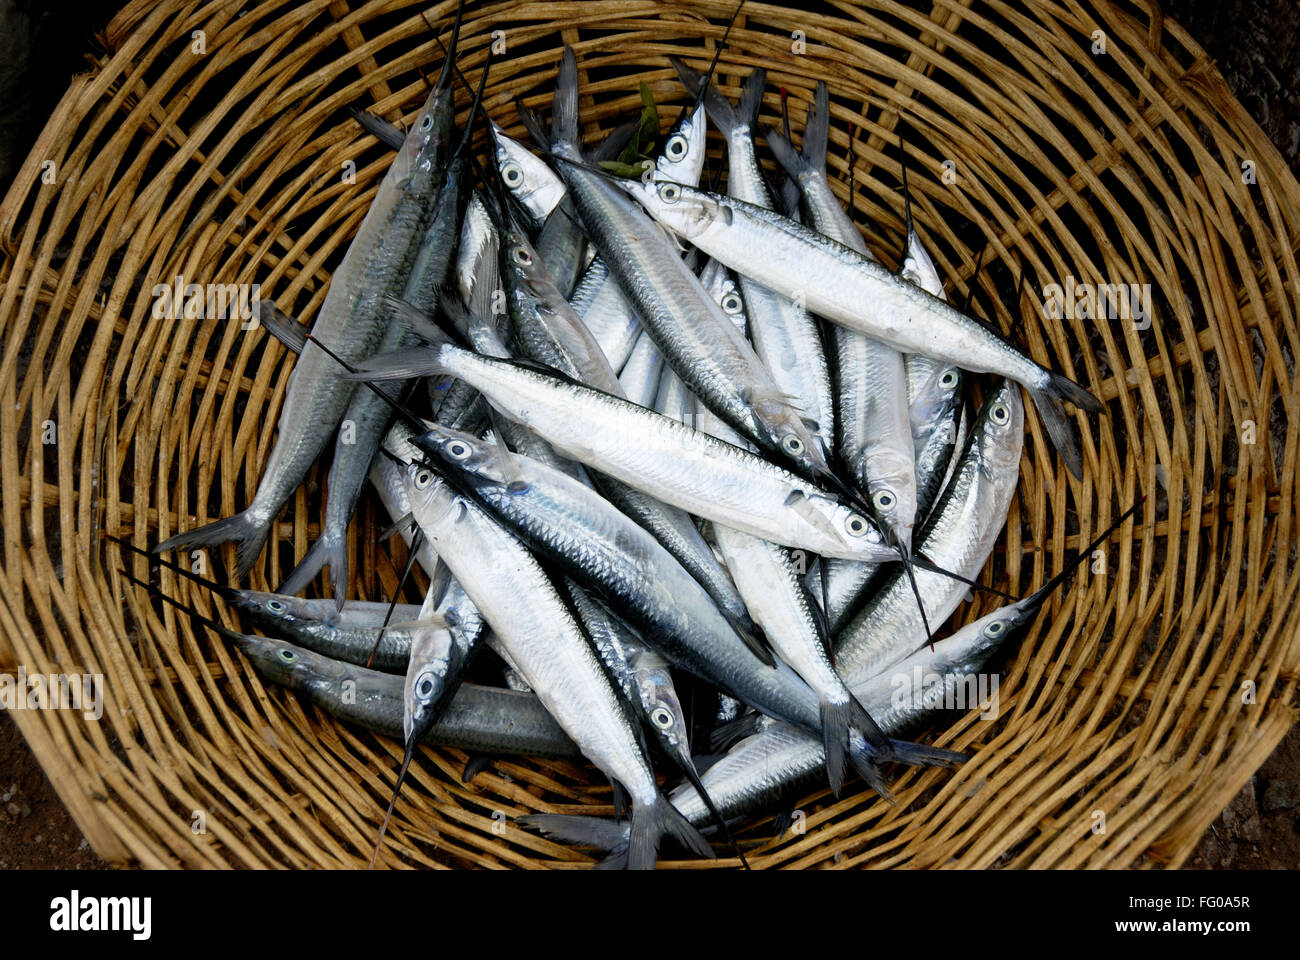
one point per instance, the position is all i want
(209, 140)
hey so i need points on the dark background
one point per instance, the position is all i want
(1253, 42)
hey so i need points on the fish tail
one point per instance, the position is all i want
(243, 528)
(386, 133)
(564, 108)
(290, 333)
(328, 551)
(835, 739)
(817, 129)
(724, 114)
(1049, 401)
(751, 97)
(652, 823)
(866, 761)
(786, 155)
(868, 748)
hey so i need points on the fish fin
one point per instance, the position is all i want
(835, 735)
(1051, 408)
(918, 754)
(511, 468)
(726, 735)
(771, 400)
(786, 155)
(751, 97)
(407, 517)
(533, 123)
(475, 764)
(243, 528)
(817, 607)
(327, 551)
(564, 107)
(389, 134)
(651, 823)
(866, 726)
(618, 797)
(400, 365)
(799, 503)
(415, 320)
(749, 639)
(597, 832)
(782, 821)
(612, 145)
(290, 333)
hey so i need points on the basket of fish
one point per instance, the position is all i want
(566, 435)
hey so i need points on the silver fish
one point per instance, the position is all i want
(519, 601)
(847, 288)
(671, 462)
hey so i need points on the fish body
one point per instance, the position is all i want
(549, 648)
(842, 285)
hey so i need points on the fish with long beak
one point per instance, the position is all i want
(349, 634)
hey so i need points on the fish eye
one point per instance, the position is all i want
(948, 380)
(792, 445)
(995, 629)
(670, 192)
(1000, 414)
(521, 256)
(424, 685)
(662, 717)
(275, 606)
(287, 655)
(731, 304)
(458, 450)
(883, 500)
(676, 147)
(426, 121)
(423, 479)
(856, 525)
(512, 174)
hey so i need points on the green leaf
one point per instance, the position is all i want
(643, 141)
(625, 169)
